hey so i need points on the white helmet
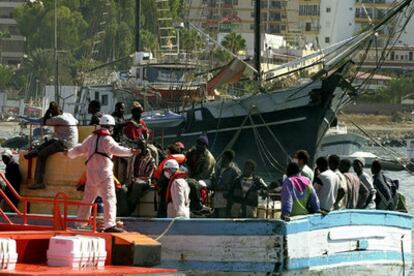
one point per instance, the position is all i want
(107, 120)
(171, 164)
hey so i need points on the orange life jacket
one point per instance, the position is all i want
(180, 158)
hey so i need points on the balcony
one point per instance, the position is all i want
(8, 21)
(8, 4)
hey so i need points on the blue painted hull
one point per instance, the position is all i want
(341, 240)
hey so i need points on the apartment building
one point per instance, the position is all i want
(11, 48)
(238, 15)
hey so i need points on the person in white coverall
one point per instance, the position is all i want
(178, 191)
(99, 147)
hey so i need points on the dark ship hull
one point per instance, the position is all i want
(267, 127)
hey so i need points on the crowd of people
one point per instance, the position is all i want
(121, 165)
(332, 186)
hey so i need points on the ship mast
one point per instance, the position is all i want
(137, 25)
(257, 41)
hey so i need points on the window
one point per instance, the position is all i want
(328, 9)
(327, 39)
(96, 96)
(198, 116)
(410, 56)
(104, 99)
(309, 10)
(308, 26)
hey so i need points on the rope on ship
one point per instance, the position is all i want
(263, 150)
(166, 229)
(236, 135)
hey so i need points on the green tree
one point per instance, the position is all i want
(234, 42)
(190, 40)
(149, 41)
(392, 92)
(6, 75)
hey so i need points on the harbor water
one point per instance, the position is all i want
(406, 179)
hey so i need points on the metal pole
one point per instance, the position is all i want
(137, 25)
(178, 42)
(257, 40)
(56, 59)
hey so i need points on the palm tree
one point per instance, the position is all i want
(234, 42)
(40, 64)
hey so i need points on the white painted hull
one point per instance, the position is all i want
(352, 240)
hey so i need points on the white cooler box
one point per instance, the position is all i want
(8, 254)
(76, 252)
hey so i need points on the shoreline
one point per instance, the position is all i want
(383, 128)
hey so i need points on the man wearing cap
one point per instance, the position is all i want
(200, 161)
(12, 175)
(366, 197)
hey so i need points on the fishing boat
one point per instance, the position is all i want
(348, 241)
(342, 242)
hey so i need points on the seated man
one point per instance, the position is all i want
(140, 172)
(65, 137)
